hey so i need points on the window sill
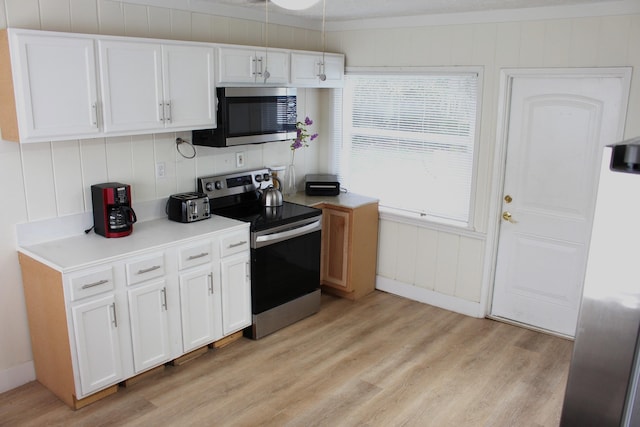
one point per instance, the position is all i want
(437, 224)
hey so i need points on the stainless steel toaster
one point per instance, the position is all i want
(188, 207)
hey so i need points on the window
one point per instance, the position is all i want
(409, 139)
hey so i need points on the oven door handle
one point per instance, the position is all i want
(268, 239)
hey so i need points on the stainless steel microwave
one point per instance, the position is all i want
(251, 115)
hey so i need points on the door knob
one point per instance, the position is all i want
(508, 198)
(506, 215)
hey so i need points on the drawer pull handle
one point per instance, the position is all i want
(94, 284)
(203, 254)
(149, 270)
(235, 245)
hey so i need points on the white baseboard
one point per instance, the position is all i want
(16, 376)
(459, 305)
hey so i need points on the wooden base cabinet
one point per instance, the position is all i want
(349, 250)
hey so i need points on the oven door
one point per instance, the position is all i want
(285, 263)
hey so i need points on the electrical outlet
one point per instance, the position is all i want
(240, 159)
(161, 170)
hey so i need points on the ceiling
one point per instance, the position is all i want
(349, 10)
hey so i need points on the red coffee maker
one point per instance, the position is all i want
(112, 213)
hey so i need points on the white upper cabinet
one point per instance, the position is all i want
(59, 86)
(251, 65)
(54, 79)
(131, 83)
(189, 86)
(151, 87)
(307, 67)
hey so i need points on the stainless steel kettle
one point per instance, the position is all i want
(272, 196)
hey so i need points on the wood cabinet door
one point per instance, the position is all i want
(200, 308)
(189, 89)
(97, 344)
(131, 83)
(335, 248)
(149, 325)
(236, 293)
(57, 78)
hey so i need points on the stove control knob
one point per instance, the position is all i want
(209, 186)
(258, 178)
(218, 185)
(267, 177)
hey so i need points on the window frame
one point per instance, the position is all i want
(416, 218)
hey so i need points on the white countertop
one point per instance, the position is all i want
(348, 200)
(80, 251)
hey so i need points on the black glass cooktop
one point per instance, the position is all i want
(262, 218)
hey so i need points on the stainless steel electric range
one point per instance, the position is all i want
(285, 248)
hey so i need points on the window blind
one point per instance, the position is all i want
(409, 139)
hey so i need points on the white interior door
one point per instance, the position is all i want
(557, 126)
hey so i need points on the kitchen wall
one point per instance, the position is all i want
(435, 264)
(48, 180)
(430, 263)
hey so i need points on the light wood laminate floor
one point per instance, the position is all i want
(380, 361)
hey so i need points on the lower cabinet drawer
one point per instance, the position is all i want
(234, 243)
(145, 268)
(194, 255)
(87, 283)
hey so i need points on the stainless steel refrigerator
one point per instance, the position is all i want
(602, 389)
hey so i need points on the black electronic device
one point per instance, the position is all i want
(321, 185)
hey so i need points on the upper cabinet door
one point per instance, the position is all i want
(247, 66)
(55, 82)
(131, 83)
(237, 65)
(189, 89)
(306, 69)
(277, 63)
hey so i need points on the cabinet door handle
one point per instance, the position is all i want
(200, 255)
(164, 298)
(94, 114)
(94, 284)
(148, 270)
(161, 105)
(235, 245)
(168, 112)
(211, 284)
(248, 271)
(252, 66)
(260, 68)
(115, 319)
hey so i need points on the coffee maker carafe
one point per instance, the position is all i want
(112, 213)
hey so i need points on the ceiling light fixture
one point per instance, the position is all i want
(295, 4)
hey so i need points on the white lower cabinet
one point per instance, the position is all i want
(111, 320)
(200, 308)
(236, 293)
(97, 343)
(149, 320)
